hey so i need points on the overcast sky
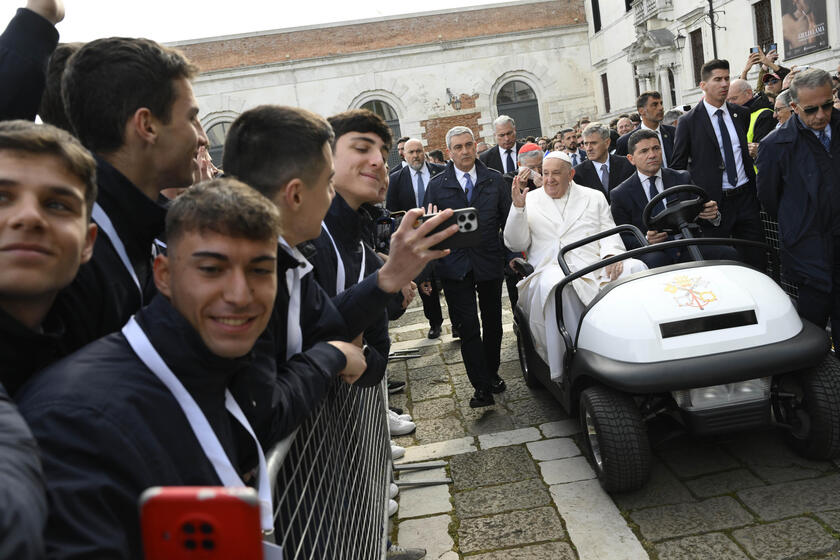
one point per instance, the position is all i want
(178, 20)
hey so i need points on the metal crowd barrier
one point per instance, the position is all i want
(771, 236)
(330, 479)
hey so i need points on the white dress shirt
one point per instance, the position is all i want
(736, 144)
(460, 175)
(599, 165)
(645, 180)
(658, 131)
(424, 172)
(503, 155)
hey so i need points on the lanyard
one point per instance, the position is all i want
(294, 334)
(208, 440)
(104, 222)
(339, 273)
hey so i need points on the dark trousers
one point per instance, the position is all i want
(818, 306)
(709, 252)
(741, 219)
(513, 292)
(481, 357)
(431, 305)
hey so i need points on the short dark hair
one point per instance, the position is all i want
(51, 109)
(635, 117)
(642, 100)
(437, 154)
(638, 136)
(26, 137)
(712, 65)
(400, 141)
(362, 120)
(224, 206)
(107, 80)
(268, 146)
(565, 131)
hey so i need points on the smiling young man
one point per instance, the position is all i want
(148, 406)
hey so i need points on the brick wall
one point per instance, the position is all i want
(391, 33)
(436, 129)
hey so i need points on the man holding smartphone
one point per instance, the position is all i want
(468, 182)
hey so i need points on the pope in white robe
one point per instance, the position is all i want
(539, 223)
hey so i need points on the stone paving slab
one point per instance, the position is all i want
(438, 450)
(423, 500)
(434, 408)
(430, 388)
(678, 520)
(690, 457)
(723, 483)
(831, 518)
(487, 500)
(793, 498)
(438, 429)
(769, 457)
(786, 540)
(561, 428)
(509, 529)
(431, 533)
(711, 546)
(549, 449)
(546, 551)
(561, 471)
(663, 488)
(491, 466)
(486, 420)
(512, 437)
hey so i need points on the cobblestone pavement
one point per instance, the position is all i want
(522, 490)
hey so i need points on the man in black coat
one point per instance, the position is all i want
(502, 156)
(114, 418)
(406, 190)
(721, 163)
(631, 197)
(601, 171)
(652, 113)
(799, 185)
(467, 182)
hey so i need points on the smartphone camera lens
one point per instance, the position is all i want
(190, 544)
(189, 528)
(206, 528)
(468, 226)
(461, 218)
(471, 217)
(207, 544)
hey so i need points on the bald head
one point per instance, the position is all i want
(740, 92)
(414, 154)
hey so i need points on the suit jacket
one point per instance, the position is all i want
(620, 169)
(668, 134)
(492, 159)
(696, 148)
(628, 201)
(400, 195)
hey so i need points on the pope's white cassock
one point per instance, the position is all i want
(540, 229)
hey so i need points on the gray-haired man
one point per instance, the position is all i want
(502, 156)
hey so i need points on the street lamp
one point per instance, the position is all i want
(454, 101)
(679, 41)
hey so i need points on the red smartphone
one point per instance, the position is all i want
(199, 522)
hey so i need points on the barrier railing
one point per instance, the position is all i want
(771, 237)
(330, 479)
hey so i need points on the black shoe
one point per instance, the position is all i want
(482, 398)
(434, 332)
(455, 333)
(497, 385)
(396, 409)
(397, 386)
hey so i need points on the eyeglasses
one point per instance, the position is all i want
(772, 81)
(825, 106)
(780, 109)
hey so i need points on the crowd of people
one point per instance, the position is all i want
(165, 321)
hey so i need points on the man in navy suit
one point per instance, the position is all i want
(602, 171)
(652, 113)
(467, 182)
(630, 198)
(568, 138)
(406, 190)
(721, 163)
(502, 156)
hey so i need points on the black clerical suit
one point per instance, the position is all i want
(401, 197)
(465, 272)
(493, 159)
(696, 149)
(619, 170)
(108, 428)
(668, 136)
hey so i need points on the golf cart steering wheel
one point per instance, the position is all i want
(676, 214)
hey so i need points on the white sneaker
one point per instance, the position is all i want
(399, 427)
(393, 490)
(392, 508)
(406, 417)
(397, 452)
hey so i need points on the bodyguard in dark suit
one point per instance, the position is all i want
(568, 138)
(601, 171)
(465, 272)
(502, 156)
(406, 190)
(630, 198)
(721, 163)
(652, 112)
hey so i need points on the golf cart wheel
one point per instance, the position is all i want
(616, 438)
(809, 403)
(531, 380)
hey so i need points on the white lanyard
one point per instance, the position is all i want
(208, 440)
(294, 335)
(339, 273)
(104, 222)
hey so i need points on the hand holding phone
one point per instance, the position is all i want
(467, 235)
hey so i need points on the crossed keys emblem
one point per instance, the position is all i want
(690, 291)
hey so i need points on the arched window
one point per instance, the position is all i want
(216, 136)
(384, 110)
(517, 100)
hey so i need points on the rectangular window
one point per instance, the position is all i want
(605, 86)
(763, 24)
(628, 5)
(697, 54)
(636, 81)
(596, 16)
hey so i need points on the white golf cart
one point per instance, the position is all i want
(716, 345)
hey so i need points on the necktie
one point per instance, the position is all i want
(605, 178)
(728, 154)
(574, 159)
(826, 141)
(421, 190)
(660, 206)
(468, 187)
(509, 162)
